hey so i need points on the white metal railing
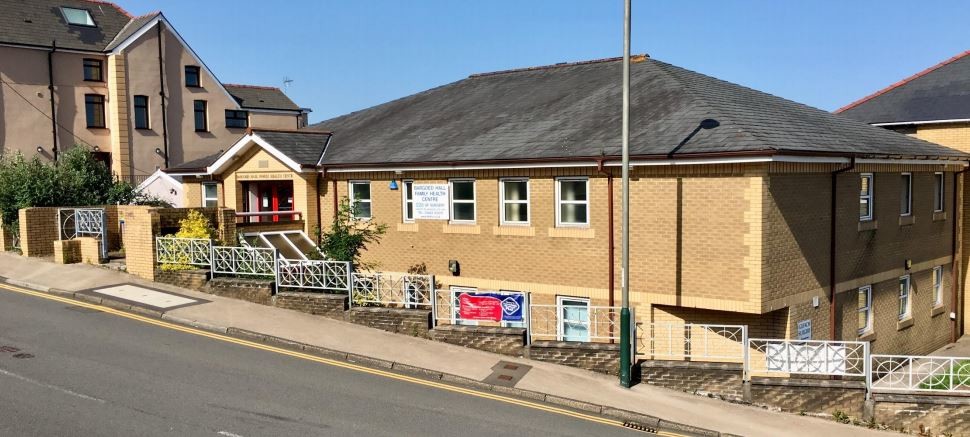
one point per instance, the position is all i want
(193, 251)
(383, 289)
(83, 222)
(254, 261)
(268, 216)
(600, 324)
(815, 357)
(314, 274)
(919, 373)
(692, 341)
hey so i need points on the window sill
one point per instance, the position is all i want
(514, 230)
(869, 335)
(93, 81)
(937, 310)
(572, 233)
(456, 228)
(407, 227)
(904, 324)
(907, 220)
(868, 225)
(939, 216)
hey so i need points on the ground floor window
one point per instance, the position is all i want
(938, 286)
(261, 199)
(572, 202)
(408, 209)
(573, 318)
(462, 200)
(904, 302)
(210, 195)
(865, 309)
(360, 199)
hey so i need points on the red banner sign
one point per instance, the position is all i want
(479, 307)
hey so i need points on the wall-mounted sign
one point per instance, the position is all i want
(263, 176)
(495, 307)
(430, 201)
(805, 329)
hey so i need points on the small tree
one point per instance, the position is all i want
(348, 236)
(194, 225)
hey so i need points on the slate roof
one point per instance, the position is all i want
(130, 29)
(569, 111)
(38, 22)
(261, 97)
(302, 146)
(941, 92)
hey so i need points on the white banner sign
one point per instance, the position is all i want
(430, 201)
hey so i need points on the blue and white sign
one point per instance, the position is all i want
(430, 201)
(498, 307)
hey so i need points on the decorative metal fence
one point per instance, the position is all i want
(919, 374)
(598, 324)
(445, 308)
(814, 357)
(193, 251)
(252, 261)
(407, 291)
(83, 222)
(314, 275)
(691, 341)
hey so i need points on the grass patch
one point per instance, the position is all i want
(947, 381)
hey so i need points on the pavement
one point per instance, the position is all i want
(563, 385)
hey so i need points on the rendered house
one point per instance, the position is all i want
(87, 72)
(743, 205)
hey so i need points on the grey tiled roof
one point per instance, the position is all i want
(303, 147)
(573, 111)
(130, 28)
(38, 22)
(260, 97)
(941, 92)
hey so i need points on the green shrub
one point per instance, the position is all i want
(194, 225)
(347, 236)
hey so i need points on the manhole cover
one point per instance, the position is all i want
(9, 349)
(507, 373)
(23, 356)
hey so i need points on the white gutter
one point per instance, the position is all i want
(912, 123)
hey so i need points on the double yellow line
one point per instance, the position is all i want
(308, 357)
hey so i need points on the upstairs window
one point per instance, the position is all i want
(360, 199)
(463, 200)
(237, 118)
(906, 194)
(865, 197)
(192, 78)
(78, 17)
(141, 112)
(94, 108)
(201, 118)
(938, 201)
(572, 202)
(93, 70)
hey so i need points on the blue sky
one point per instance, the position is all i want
(349, 55)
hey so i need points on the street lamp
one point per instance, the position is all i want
(625, 341)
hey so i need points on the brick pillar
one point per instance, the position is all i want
(226, 226)
(118, 117)
(67, 251)
(89, 250)
(141, 227)
(38, 230)
(6, 237)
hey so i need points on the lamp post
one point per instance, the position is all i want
(625, 346)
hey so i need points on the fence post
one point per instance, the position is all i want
(276, 270)
(746, 357)
(212, 259)
(528, 319)
(434, 306)
(867, 368)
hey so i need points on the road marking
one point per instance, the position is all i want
(335, 363)
(228, 434)
(50, 386)
(145, 296)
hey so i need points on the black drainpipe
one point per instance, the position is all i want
(832, 229)
(161, 94)
(50, 88)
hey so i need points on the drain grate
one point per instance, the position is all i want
(9, 349)
(23, 356)
(638, 427)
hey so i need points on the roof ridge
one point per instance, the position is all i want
(901, 82)
(633, 59)
(129, 23)
(259, 87)
(107, 3)
(289, 131)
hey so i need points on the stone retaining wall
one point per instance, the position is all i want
(191, 279)
(253, 290)
(598, 357)
(414, 322)
(926, 414)
(324, 304)
(816, 396)
(721, 380)
(506, 341)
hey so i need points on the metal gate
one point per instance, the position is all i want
(84, 222)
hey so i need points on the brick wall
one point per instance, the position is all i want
(141, 226)
(253, 290)
(722, 380)
(598, 357)
(412, 322)
(506, 341)
(931, 415)
(6, 237)
(67, 251)
(324, 304)
(190, 279)
(818, 396)
(90, 249)
(38, 230)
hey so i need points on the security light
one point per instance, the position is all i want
(40, 149)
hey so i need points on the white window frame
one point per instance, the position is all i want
(940, 189)
(560, 202)
(405, 201)
(206, 199)
(866, 309)
(909, 197)
(868, 196)
(354, 201)
(560, 319)
(452, 201)
(502, 202)
(905, 310)
(937, 286)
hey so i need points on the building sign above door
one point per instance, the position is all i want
(430, 201)
(263, 176)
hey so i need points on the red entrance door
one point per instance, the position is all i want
(276, 196)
